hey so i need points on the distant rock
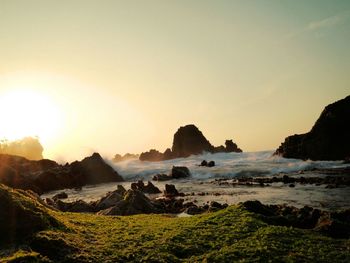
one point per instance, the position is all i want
(329, 138)
(152, 155)
(207, 164)
(188, 140)
(231, 147)
(128, 156)
(46, 175)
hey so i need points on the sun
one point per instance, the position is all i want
(28, 113)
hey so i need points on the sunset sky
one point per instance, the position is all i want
(122, 76)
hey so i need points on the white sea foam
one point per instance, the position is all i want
(227, 165)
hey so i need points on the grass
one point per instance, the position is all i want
(230, 235)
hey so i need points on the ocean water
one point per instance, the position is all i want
(228, 165)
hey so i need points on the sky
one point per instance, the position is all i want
(123, 76)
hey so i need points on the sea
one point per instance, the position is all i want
(203, 185)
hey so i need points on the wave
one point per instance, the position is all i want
(227, 165)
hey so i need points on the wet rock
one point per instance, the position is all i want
(170, 191)
(207, 164)
(180, 172)
(204, 163)
(148, 189)
(327, 140)
(62, 195)
(211, 164)
(161, 177)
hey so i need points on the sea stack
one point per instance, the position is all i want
(188, 140)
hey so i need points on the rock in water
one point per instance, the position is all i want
(180, 172)
(329, 138)
(231, 147)
(190, 140)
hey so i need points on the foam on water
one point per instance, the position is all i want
(227, 165)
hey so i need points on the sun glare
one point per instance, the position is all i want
(28, 113)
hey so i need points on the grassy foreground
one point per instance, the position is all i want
(229, 235)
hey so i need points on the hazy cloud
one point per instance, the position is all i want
(328, 22)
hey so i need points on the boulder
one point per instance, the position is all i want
(329, 138)
(148, 189)
(134, 202)
(180, 172)
(170, 191)
(161, 177)
(204, 163)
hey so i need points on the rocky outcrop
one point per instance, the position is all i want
(329, 138)
(334, 224)
(188, 140)
(46, 175)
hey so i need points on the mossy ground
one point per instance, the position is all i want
(230, 235)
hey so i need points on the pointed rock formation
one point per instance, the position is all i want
(329, 138)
